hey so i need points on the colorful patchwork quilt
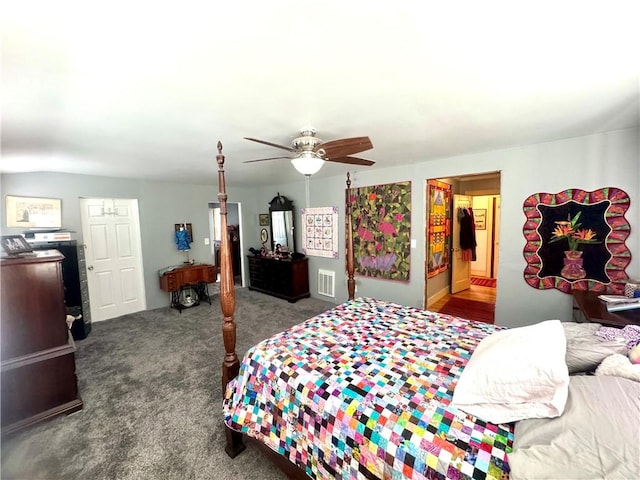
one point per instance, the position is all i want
(362, 391)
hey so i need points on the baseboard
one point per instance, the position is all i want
(438, 295)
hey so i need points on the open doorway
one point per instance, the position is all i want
(467, 286)
(234, 235)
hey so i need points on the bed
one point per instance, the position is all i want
(378, 390)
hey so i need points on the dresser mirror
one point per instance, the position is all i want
(282, 224)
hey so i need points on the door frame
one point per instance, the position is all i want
(482, 190)
(213, 241)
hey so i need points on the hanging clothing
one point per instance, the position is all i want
(183, 239)
(467, 234)
(473, 229)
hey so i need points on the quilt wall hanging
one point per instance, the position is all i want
(381, 218)
(576, 240)
(439, 233)
(320, 232)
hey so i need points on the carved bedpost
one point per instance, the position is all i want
(230, 364)
(351, 283)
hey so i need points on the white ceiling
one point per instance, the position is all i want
(146, 89)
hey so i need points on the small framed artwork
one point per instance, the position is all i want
(264, 219)
(33, 212)
(264, 235)
(480, 218)
(15, 245)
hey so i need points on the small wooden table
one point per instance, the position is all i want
(197, 276)
(587, 307)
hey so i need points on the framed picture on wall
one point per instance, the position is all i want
(33, 212)
(263, 218)
(480, 218)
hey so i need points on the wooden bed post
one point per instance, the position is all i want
(351, 283)
(230, 364)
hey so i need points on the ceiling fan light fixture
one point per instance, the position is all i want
(307, 163)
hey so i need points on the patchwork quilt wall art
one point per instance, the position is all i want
(576, 240)
(381, 217)
(439, 234)
(320, 232)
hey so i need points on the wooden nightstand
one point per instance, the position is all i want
(587, 307)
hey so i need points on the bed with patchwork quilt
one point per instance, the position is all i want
(366, 393)
(376, 390)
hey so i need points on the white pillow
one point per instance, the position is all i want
(516, 374)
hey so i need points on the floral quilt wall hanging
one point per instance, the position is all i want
(320, 232)
(439, 196)
(575, 239)
(381, 217)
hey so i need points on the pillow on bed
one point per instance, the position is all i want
(575, 329)
(515, 374)
(596, 436)
(584, 354)
(585, 349)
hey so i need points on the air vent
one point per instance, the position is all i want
(326, 283)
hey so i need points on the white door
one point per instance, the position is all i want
(460, 269)
(111, 234)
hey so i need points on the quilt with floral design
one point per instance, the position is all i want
(362, 391)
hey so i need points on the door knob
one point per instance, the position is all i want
(90, 267)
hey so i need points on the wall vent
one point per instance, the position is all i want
(326, 283)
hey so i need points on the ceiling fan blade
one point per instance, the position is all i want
(270, 144)
(344, 146)
(263, 159)
(351, 161)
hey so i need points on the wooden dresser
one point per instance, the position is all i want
(38, 354)
(288, 279)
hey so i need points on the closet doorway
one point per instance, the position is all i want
(467, 288)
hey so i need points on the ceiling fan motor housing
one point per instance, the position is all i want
(307, 141)
(309, 149)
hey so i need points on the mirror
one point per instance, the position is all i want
(282, 225)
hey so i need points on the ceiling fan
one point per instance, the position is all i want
(310, 152)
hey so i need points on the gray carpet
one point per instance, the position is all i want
(150, 383)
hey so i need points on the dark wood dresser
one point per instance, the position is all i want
(288, 279)
(38, 354)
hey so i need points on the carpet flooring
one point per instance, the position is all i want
(471, 309)
(483, 282)
(151, 386)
